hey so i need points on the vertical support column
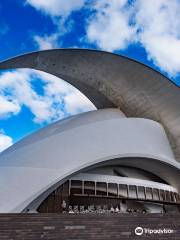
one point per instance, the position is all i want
(82, 187)
(118, 190)
(177, 197)
(169, 196)
(174, 197)
(145, 195)
(164, 195)
(107, 189)
(95, 189)
(69, 187)
(159, 195)
(127, 191)
(152, 193)
(137, 192)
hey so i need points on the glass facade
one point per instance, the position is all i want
(87, 193)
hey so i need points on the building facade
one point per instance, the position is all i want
(123, 156)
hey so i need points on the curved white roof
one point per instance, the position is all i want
(67, 124)
(110, 80)
(53, 154)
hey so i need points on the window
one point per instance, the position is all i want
(132, 191)
(76, 187)
(112, 189)
(141, 192)
(177, 197)
(162, 195)
(148, 193)
(101, 188)
(155, 194)
(168, 199)
(89, 187)
(173, 198)
(123, 191)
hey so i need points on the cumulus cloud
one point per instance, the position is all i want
(57, 7)
(18, 88)
(8, 107)
(109, 26)
(5, 141)
(154, 24)
(46, 42)
(116, 24)
(158, 23)
(59, 10)
(60, 92)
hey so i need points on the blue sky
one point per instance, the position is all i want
(148, 31)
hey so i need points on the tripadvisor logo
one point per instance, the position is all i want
(139, 231)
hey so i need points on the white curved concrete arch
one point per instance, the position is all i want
(32, 168)
(110, 80)
(67, 124)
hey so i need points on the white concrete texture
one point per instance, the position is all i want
(66, 147)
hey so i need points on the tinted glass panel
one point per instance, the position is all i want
(173, 198)
(132, 191)
(162, 195)
(101, 188)
(89, 188)
(141, 192)
(168, 199)
(123, 192)
(76, 187)
(148, 193)
(155, 194)
(112, 189)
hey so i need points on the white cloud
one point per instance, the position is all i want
(109, 27)
(57, 7)
(46, 42)
(156, 26)
(5, 141)
(8, 106)
(159, 32)
(59, 10)
(76, 103)
(16, 86)
(116, 24)
(73, 100)
(57, 99)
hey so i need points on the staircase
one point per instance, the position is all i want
(88, 226)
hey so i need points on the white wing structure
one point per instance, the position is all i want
(125, 152)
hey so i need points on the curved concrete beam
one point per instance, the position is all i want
(112, 80)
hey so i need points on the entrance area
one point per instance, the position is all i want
(76, 196)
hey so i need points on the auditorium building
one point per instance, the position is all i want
(122, 157)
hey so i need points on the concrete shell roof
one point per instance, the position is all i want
(110, 80)
(34, 167)
(66, 124)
